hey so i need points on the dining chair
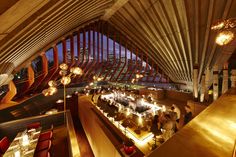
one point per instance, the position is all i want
(43, 153)
(45, 136)
(44, 145)
(4, 144)
(34, 125)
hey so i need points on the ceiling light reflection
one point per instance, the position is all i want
(224, 37)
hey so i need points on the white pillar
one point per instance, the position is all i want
(207, 79)
(233, 78)
(202, 88)
(195, 82)
(225, 78)
(215, 82)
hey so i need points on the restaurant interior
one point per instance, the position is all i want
(118, 78)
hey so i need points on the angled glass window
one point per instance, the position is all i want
(21, 75)
(37, 65)
(104, 50)
(92, 50)
(50, 57)
(81, 55)
(115, 61)
(75, 47)
(68, 50)
(60, 52)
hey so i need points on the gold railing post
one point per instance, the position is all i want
(64, 92)
(234, 150)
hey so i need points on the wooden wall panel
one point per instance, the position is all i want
(10, 94)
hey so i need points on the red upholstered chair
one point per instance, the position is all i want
(4, 144)
(44, 145)
(43, 153)
(33, 125)
(45, 136)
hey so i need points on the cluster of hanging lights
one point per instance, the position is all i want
(97, 78)
(66, 76)
(226, 31)
(137, 77)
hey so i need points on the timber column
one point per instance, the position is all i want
(207, 79)
(195, 82)
(203, 86)
(215, 82)
(233, 78)
(225, 78)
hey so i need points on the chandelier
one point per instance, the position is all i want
(226, 32)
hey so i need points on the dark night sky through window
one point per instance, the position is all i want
(117, 45)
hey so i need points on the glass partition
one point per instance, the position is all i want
(50, 57)
(37, 65)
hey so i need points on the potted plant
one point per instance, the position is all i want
(129, 146)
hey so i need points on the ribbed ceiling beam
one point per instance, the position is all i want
(179, 58)
(139, 35)
(154, 39)
(185, 61)
(9, 22)
(176, 31)
(141, 44)
(207, 34)
(175, 34)
(34, 40)
(112, 10)
(225, 14)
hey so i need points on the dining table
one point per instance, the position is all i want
(24, 144)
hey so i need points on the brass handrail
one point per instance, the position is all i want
(73, 143)
(234, 151)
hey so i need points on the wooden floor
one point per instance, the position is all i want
(15, 102)
(59, 142)
(85, 149)
(179, 104)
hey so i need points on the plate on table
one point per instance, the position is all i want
(32, 130)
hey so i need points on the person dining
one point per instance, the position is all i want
(161, 117)
(30, 142)
(168, 127)
(4, 144)
(188, 115)
(155, 128)
(175, 109)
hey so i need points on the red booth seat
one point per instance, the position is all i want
(44, 145)
(4, 144)
(43, 153)
(33, 125)
(45, 136)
